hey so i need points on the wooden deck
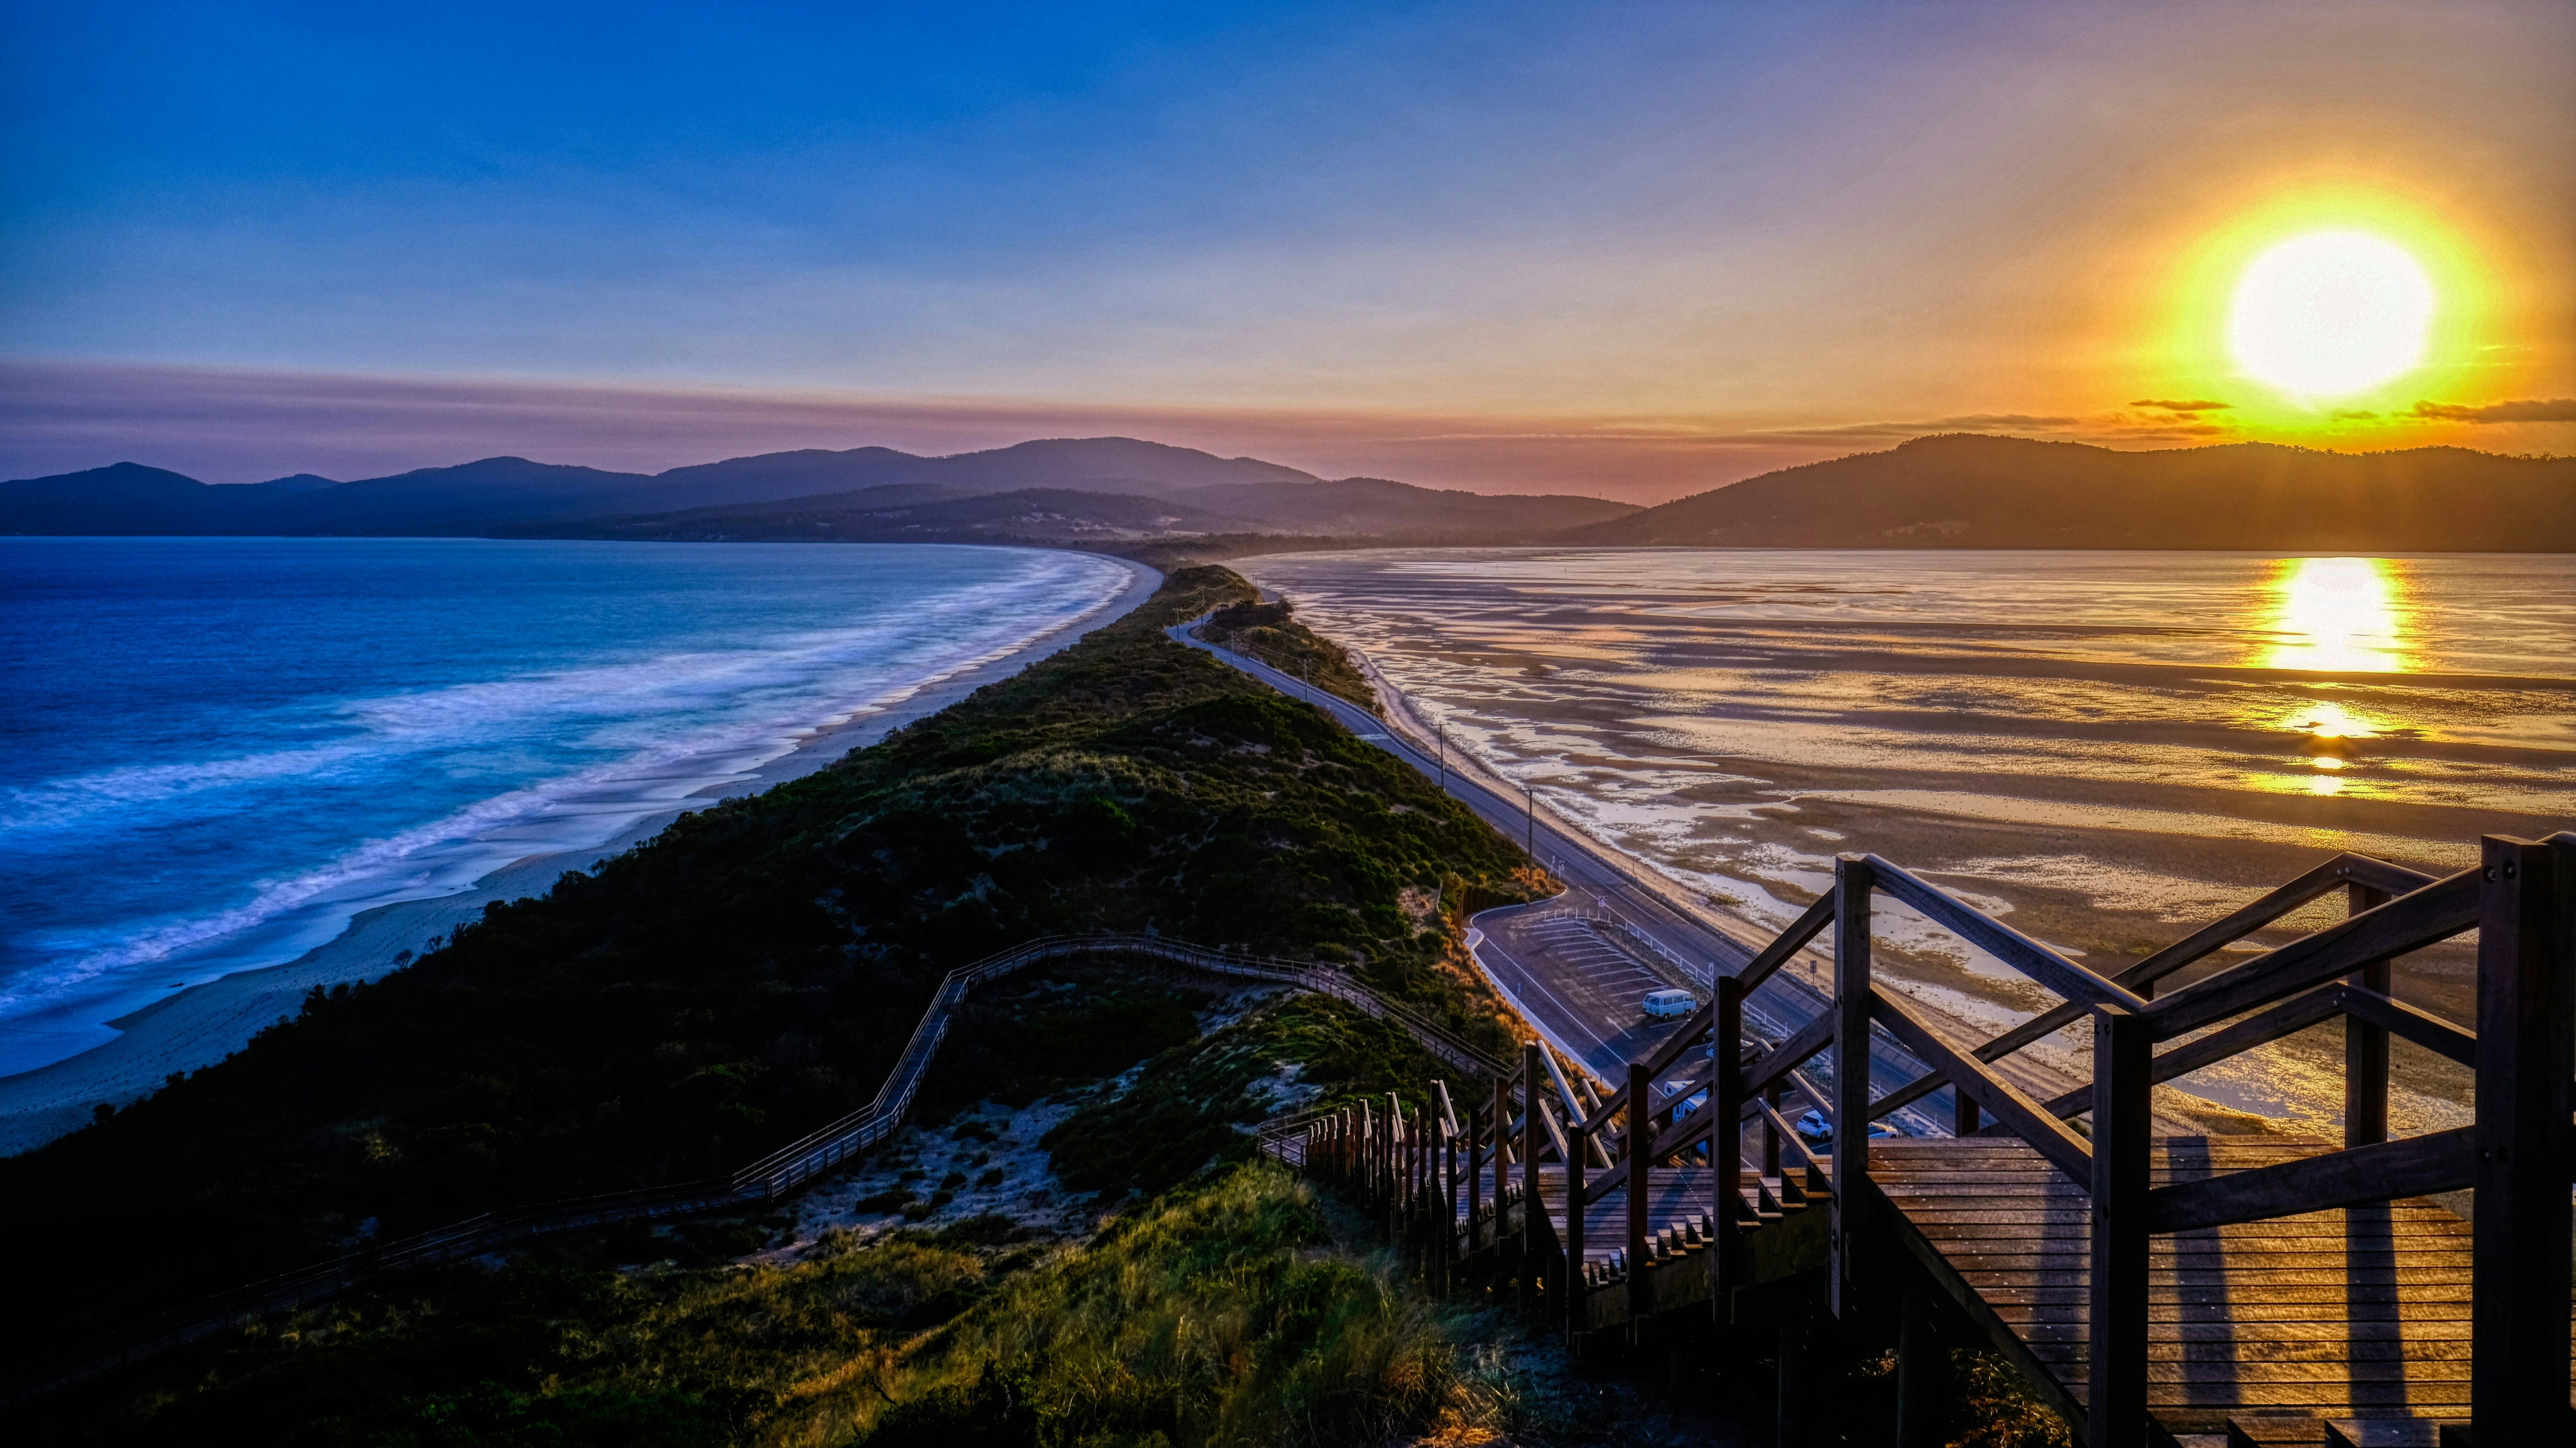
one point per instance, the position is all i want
(2359, 1312)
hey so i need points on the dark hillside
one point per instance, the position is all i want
(1095, 464)
(463, 498)
(753, 973)
(1969, 491)
(124, 498)
(1375, 505)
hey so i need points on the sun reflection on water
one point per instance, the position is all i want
(2339, 615)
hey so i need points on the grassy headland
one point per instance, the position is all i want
(1228, 1308)
(753, 972)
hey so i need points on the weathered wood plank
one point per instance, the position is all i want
(2454, 1329)
(2442, 1161)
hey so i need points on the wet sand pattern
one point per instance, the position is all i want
(2111, 747)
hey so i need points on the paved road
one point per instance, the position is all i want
(1578, 966)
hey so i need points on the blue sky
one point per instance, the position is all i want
(1362, 226)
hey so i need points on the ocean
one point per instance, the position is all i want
(2107, 748)
(214, 752)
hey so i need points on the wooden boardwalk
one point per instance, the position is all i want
(2154, 1289)
(2348, 1313)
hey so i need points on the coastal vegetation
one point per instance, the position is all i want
(753, 972)
(1227, 1306)
(1268, 633)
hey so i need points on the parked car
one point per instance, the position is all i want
(1666, 1004)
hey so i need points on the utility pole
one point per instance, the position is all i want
(1441, 733)
(1529, 820)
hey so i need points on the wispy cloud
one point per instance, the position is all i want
(2182, 405)
(2553, 409)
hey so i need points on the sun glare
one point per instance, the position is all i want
(2339, 615)
(2330, 314)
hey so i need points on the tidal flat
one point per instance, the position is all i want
(2107, 748)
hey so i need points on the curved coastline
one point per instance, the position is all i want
(202, 1024)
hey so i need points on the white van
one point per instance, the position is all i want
(1665, 1004)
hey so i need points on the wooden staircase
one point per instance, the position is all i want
(2155, 1289)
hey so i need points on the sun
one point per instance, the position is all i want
(2330, 314)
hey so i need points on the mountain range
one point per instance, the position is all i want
(1951, 491)
(1089, 488)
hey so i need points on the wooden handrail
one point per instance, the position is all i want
(1809, 924)
(2345, 869)
(1783, 1060)
(2400, 1019)
(2001, 941)
(2414, 1166)
(2028, 1118)
(1796, 1142)
(2409, 922)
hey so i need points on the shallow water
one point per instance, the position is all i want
(2110, 747)
(214, 752)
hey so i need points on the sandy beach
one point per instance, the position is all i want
(203, 1024)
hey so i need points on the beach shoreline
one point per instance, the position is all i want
(201, 1025)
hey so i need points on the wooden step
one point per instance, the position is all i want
(2275, 1430)
(2390, 1432)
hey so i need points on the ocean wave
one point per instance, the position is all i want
(795, 675)
(651, 712)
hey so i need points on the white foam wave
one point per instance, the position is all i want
(798, 684)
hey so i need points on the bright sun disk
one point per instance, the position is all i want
(2330, 314)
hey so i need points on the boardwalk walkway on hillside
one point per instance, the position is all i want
(2155, 1288)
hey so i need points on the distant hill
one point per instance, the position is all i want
(1375, 505)
(1096, 488)
(119, 497)
(1972, 491)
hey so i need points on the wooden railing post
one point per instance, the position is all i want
(2365, 1046)
(1449, 1217)
(1726, 1142)
(1641, 1131)
(2518, 1376)
(1577, 1295)
(1475, 1172)
(1965, 1119)
(1923, 1384)
(1533, 1211)
(2115, 1411)
(1851, 1065)
(1369, 1140)
(1773, 1095)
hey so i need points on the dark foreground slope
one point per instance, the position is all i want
(1969, 491)
(754, 972)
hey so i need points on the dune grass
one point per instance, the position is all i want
(1222, 1315)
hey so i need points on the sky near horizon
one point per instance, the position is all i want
(1636, 250)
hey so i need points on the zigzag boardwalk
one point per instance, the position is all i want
(2154, 1290)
